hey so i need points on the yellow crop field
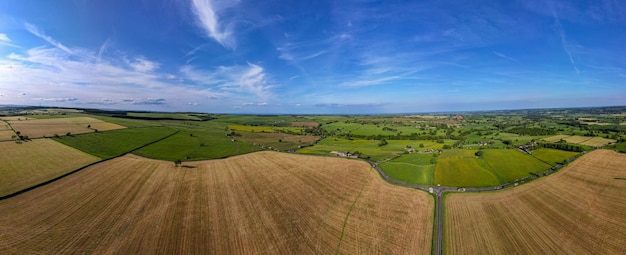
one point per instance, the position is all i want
(30, 163)
(6, 135)
(598, 141)
(15, 118)
(35, 128)
(584, 140)
(579, 210)
(259, 203)
(555, 138)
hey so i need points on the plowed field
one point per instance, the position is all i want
(264, 202)
(579, 210)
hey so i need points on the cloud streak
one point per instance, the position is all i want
(206, 13)
(4, 40)
(564, 43)
(505, 57)
(36, 32)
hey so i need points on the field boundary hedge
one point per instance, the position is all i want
(79, 169)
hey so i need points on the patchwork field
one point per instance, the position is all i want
(115, 142)
(30, 163)
(35, 128)
(584, 140)
(265, 129)
(280, 141)
(579, 210)
(257, 203)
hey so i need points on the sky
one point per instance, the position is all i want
(313, 57)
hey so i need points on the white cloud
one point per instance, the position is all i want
(4, 38)
(140, 64)
(207, 14)
(250, 79)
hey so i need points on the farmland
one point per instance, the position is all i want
(35, 128)
(247, 199)
(305, 205)
(279, 141)
(413, 168)
(584, 140)
(578, 210)
(370, 148)
(29, 163)
(116, 142)
(196, 144)
(265, 129)
(552, 156)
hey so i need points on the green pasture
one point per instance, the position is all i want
(553, 156)
(162, 115)
(462, 168)
(513, 164)
(198, 144)
(115, 142)
(265, 129)
(370, 148)
(411, 168)
(464, 172)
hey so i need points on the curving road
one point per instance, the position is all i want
(438, 191)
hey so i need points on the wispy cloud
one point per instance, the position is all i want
(564, 43)
(505, 56)
(250, 79)
(36, 32)
(65, 74)
(4, 40)
(207, 14)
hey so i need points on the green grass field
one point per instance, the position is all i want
(165, 115)
(464, 172)
(279, 141)
(116, 142)
(265, 129)
(512, 164)
(458, 153)
(199, 144)
(370, 147)
(411, 168)
(552, 156)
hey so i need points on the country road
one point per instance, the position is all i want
(438, 191)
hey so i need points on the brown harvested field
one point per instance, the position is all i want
(555, 138)
(6, 135)
(35, 128)
(15, 118)
(30, 163)
(598, 141)
(584, 140)
(266, 202)
(305, 124)
(579, 210)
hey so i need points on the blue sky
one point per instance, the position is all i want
(313, 56)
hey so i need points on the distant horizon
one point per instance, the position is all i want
(306, 114)
(326, 57)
